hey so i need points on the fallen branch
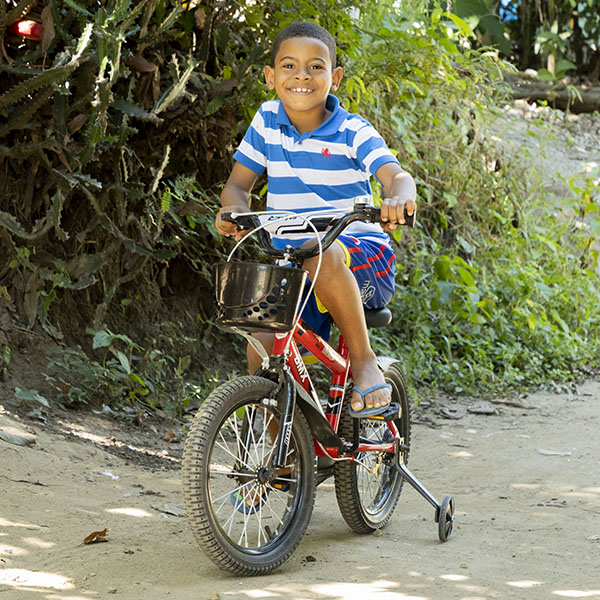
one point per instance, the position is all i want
(576, 99)
(514, 403)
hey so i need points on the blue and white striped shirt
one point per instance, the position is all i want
(318, 171)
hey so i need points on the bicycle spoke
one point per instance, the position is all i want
(224, 503)
(260, 515)
(277, 498)
(228, 494)
(252, 442)
(237, 437)
(247, 422)
(370, 484)
(275, 516)
(226, 449)
(230, 521)
(260, 460)
(244, 533)
(283, 478)
(220, 469)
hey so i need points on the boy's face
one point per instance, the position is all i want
(302, 76)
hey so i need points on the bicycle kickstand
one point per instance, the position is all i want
(444, 512)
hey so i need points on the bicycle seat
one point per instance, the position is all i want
(378, 317)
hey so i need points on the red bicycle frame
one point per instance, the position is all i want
(338, 362)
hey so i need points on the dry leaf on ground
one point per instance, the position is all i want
(170, 437)
(96, 537)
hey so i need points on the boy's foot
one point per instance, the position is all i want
(248, 501)
(370, 412)
(371, 395)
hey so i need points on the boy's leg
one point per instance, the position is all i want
(338, 290)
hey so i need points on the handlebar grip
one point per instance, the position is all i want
(409, 220)
(372, 214)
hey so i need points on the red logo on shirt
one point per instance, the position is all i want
(325, 152)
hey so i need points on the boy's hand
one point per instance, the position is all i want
(227, 228)
(392, 212)
(401, 190)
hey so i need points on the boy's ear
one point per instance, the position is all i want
(269, 77)
(336, 78)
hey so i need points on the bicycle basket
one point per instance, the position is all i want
(256, 297)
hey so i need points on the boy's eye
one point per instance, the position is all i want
(316, 66)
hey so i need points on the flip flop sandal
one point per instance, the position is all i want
(370, 412)
(242, 506)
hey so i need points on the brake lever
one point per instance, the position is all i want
(242, 221)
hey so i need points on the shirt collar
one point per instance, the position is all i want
(330, 126)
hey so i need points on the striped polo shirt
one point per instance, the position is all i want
(315, 172)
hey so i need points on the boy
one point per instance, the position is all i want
(319, 157)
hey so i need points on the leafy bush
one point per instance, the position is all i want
(545, 33)
(126, 377)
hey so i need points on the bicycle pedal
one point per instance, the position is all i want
(282, 486)
(394, 411)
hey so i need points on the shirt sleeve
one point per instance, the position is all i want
(371, 150)
(252, 150)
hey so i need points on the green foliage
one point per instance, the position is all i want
(111, 379)
(118, 95)
(21, 260)
(481, 302)
(524, 315)
(555, 37)
(122, 377)
(29, 396)
(6, 354)
(487, 26)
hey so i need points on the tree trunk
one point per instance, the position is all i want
(573, 98)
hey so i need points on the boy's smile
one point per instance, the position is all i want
(302, 77)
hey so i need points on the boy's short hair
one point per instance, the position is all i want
(308, 30)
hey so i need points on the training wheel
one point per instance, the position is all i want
(446, 518)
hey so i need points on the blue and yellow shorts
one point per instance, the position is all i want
(372, 263)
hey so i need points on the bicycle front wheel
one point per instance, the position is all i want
(368, 488)
(247, 516)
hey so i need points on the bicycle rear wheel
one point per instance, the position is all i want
(247, 517)
(367, 489)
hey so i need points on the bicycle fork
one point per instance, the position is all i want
(286, 400)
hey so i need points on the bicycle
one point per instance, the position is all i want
(250, 467)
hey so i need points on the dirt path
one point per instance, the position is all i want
(552, 148)
(526, 483)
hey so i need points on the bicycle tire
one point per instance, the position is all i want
(368, 509)
(245, 521)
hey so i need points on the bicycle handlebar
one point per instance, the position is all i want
(361, 212)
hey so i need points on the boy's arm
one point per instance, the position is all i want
(401, 191)
(235, 197)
